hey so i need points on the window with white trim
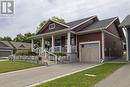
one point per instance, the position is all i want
(52, 26)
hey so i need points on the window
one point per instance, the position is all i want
(52, 26)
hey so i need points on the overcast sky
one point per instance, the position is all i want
(29, 13)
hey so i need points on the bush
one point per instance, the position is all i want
(60, 54)
(25, 53)
(21, 52)
(32, 53)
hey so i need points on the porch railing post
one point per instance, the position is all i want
(43, 44)
(52, 48)
(68, 42)
(32, 45)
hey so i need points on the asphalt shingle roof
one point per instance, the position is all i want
(125, 22)
(99, 24)
(8, 45)
(21, 45)
(74, 23)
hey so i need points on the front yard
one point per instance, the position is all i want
(7, 66)
(86, 78)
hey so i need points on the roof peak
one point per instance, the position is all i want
(81, 19)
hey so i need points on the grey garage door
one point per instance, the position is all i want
(90, 52)
(5, 53)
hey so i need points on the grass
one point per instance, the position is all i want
(2, 58)
(81, 80)
(7, 66)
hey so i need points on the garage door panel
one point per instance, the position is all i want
(90, 52)
(5, 53)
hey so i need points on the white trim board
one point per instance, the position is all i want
(88, 31)
(112, 22)
(54, 22)
(50, 33)
(59, 23)
(90, 42)
(111, 34)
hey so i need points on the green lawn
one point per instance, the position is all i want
(2, 58)
(81, 80)
(7, 66)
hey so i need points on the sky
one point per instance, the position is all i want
(29, 13)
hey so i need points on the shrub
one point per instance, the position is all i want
(32, 53)
(21, 52)
(60, 54)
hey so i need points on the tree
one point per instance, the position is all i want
(1, 38)
(57, 19)
(19, 38)
(41, 24)
(7, 38)
(26, 38)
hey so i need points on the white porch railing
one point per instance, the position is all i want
(56, 49)
(64, 49)
(46, 55)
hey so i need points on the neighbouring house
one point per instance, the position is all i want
(125, 24)
(8, 47)
(85, 40)
(20, 46)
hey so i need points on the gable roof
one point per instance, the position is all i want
(47, 23)
(59, 23)
(102, 24)
(7, 45)
(125, 22)
(20, 45)
(68, 25)
(77, 22)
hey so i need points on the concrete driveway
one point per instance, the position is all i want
(120, 78)
(31, 76)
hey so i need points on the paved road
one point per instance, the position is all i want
(32, 76)
(120, 78)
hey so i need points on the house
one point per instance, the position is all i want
(8, 47)
(125, 24)
(85, 40)
(20, 46)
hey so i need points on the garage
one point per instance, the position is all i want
(90, 51)
(5, 53)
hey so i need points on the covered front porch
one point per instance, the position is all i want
(62, 42)
(57, 42)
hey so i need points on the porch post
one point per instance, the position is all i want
(43, 44)
(127, 50)
(52, 47)
(68, 42)
(103, 55)
(32, 45)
